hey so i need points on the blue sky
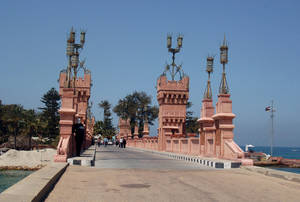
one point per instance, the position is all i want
(126, 51)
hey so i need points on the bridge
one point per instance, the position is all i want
(171, 166)
(131, 175)
(216, 137)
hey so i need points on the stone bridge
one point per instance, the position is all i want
(216, 126)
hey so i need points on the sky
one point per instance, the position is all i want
(126, 51)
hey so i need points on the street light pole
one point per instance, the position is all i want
(73, 56)
(178, 69)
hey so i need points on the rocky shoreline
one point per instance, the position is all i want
(21, 168)
(26, 160)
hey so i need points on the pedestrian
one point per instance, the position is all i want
(117, 142)
(105, 142)
(99, 142)
(124, 143)
(121, 143)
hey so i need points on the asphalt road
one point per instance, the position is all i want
(120, 158)
(126, 175)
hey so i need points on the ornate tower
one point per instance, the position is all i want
(172, 97)
(124, 126)
(74, 93)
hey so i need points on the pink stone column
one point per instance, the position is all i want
(66, 145)
(207, 129)
(224, 129)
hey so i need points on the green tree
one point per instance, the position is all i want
(50, 113)
(191, 124)
(3, 128)
(98, 128)
(137, 107)
(13, 118)
(107, 127)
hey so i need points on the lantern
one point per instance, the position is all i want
(169, 41)
(74, 60)
(209, 64)
(82, 38)
(179, 41)
(70, 48)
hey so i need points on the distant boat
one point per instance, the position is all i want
(263, 159)
(248, 146)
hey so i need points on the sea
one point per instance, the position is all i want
(285, 152)
(11, 177)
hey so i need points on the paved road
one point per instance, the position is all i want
(115, 157)
(125, 175)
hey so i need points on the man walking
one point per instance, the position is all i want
(121, 142)
(124, 143)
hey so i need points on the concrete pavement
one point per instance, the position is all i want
(122, 175)
(115, 157)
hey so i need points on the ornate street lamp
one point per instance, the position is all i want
(175, 68)
(73, 55)
(224, 89)
(209, 70)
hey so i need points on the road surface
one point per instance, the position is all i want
(127, 175)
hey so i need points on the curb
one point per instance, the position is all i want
(209, 162)
(36, 186)
(83, 161)
(294, 177)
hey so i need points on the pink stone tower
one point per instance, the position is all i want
(75, 93)
(172, 97)
(125, 129)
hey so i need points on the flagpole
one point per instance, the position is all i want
(272, 127)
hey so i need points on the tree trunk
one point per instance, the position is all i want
(15, 140)
(30, 137)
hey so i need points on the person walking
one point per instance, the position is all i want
(99, 142)
(121, 142)
(124, 143)
(105, 142)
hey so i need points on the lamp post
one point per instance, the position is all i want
(175, 68)
(73, 56)
(224, 89)
(209, 70)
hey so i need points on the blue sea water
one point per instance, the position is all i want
(285, 152)
(10, 177)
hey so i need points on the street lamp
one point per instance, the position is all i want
(224, 89)
(175, 68)
(73, 55)
(209, 70)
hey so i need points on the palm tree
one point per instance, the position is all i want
(30, 125)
